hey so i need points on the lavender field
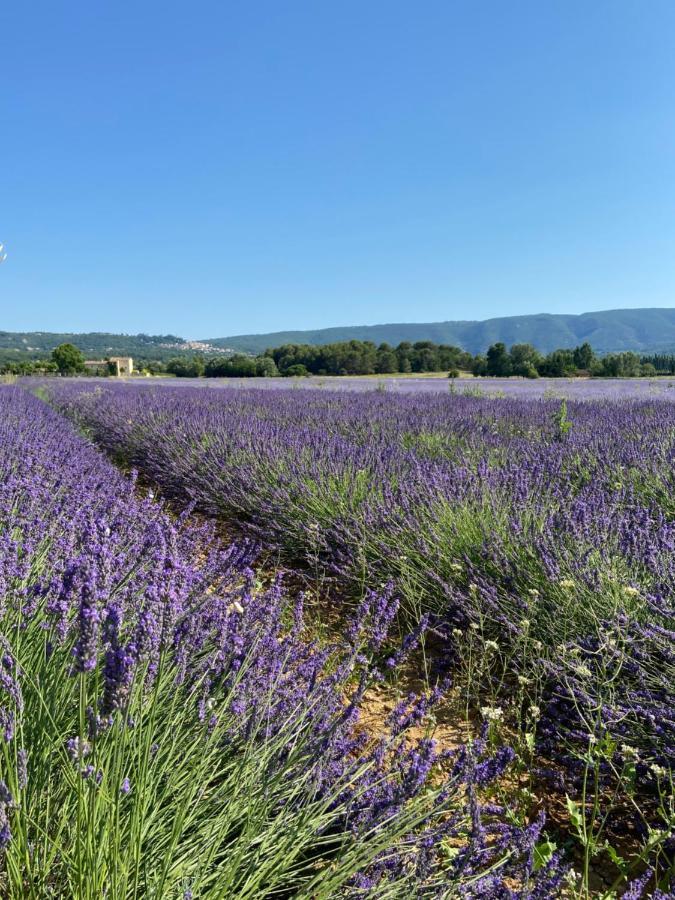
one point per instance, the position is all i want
(173, 728)
(662, 388)
(336, 644)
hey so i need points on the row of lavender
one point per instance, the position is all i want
(546, 531)
(456, 497)
(661, 388)
(168, 730)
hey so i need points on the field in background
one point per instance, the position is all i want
(570, 388)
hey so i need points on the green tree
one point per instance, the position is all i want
(69, 359)
(584, 356)
(498, 361)
(620, 365)
(186, 367)
(525, 360)
(386, 361)
(479, 365)
(265, 367)
(295, 370)
(558, 364)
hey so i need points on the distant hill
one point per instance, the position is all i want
(97, 345)
(641, 330)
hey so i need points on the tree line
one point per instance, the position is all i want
(664, 363)
(524, 360)
(345, 358)
(366, 358)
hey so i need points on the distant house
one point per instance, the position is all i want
(124, 365)
(114, 365)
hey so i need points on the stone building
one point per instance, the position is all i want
(96, 367)
(114, 365)
(124, 365)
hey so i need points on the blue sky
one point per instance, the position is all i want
(213, 168)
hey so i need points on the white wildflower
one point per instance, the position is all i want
(656, 835)
(492, 713)
(572, 878)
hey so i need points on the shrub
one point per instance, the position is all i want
(295, 371)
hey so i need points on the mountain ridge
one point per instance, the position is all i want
(650, 330)
(641, 330)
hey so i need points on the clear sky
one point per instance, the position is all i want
(211, 168)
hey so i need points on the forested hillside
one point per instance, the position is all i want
(640, 330)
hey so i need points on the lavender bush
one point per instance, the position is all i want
(547, 527)
(170, 729)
